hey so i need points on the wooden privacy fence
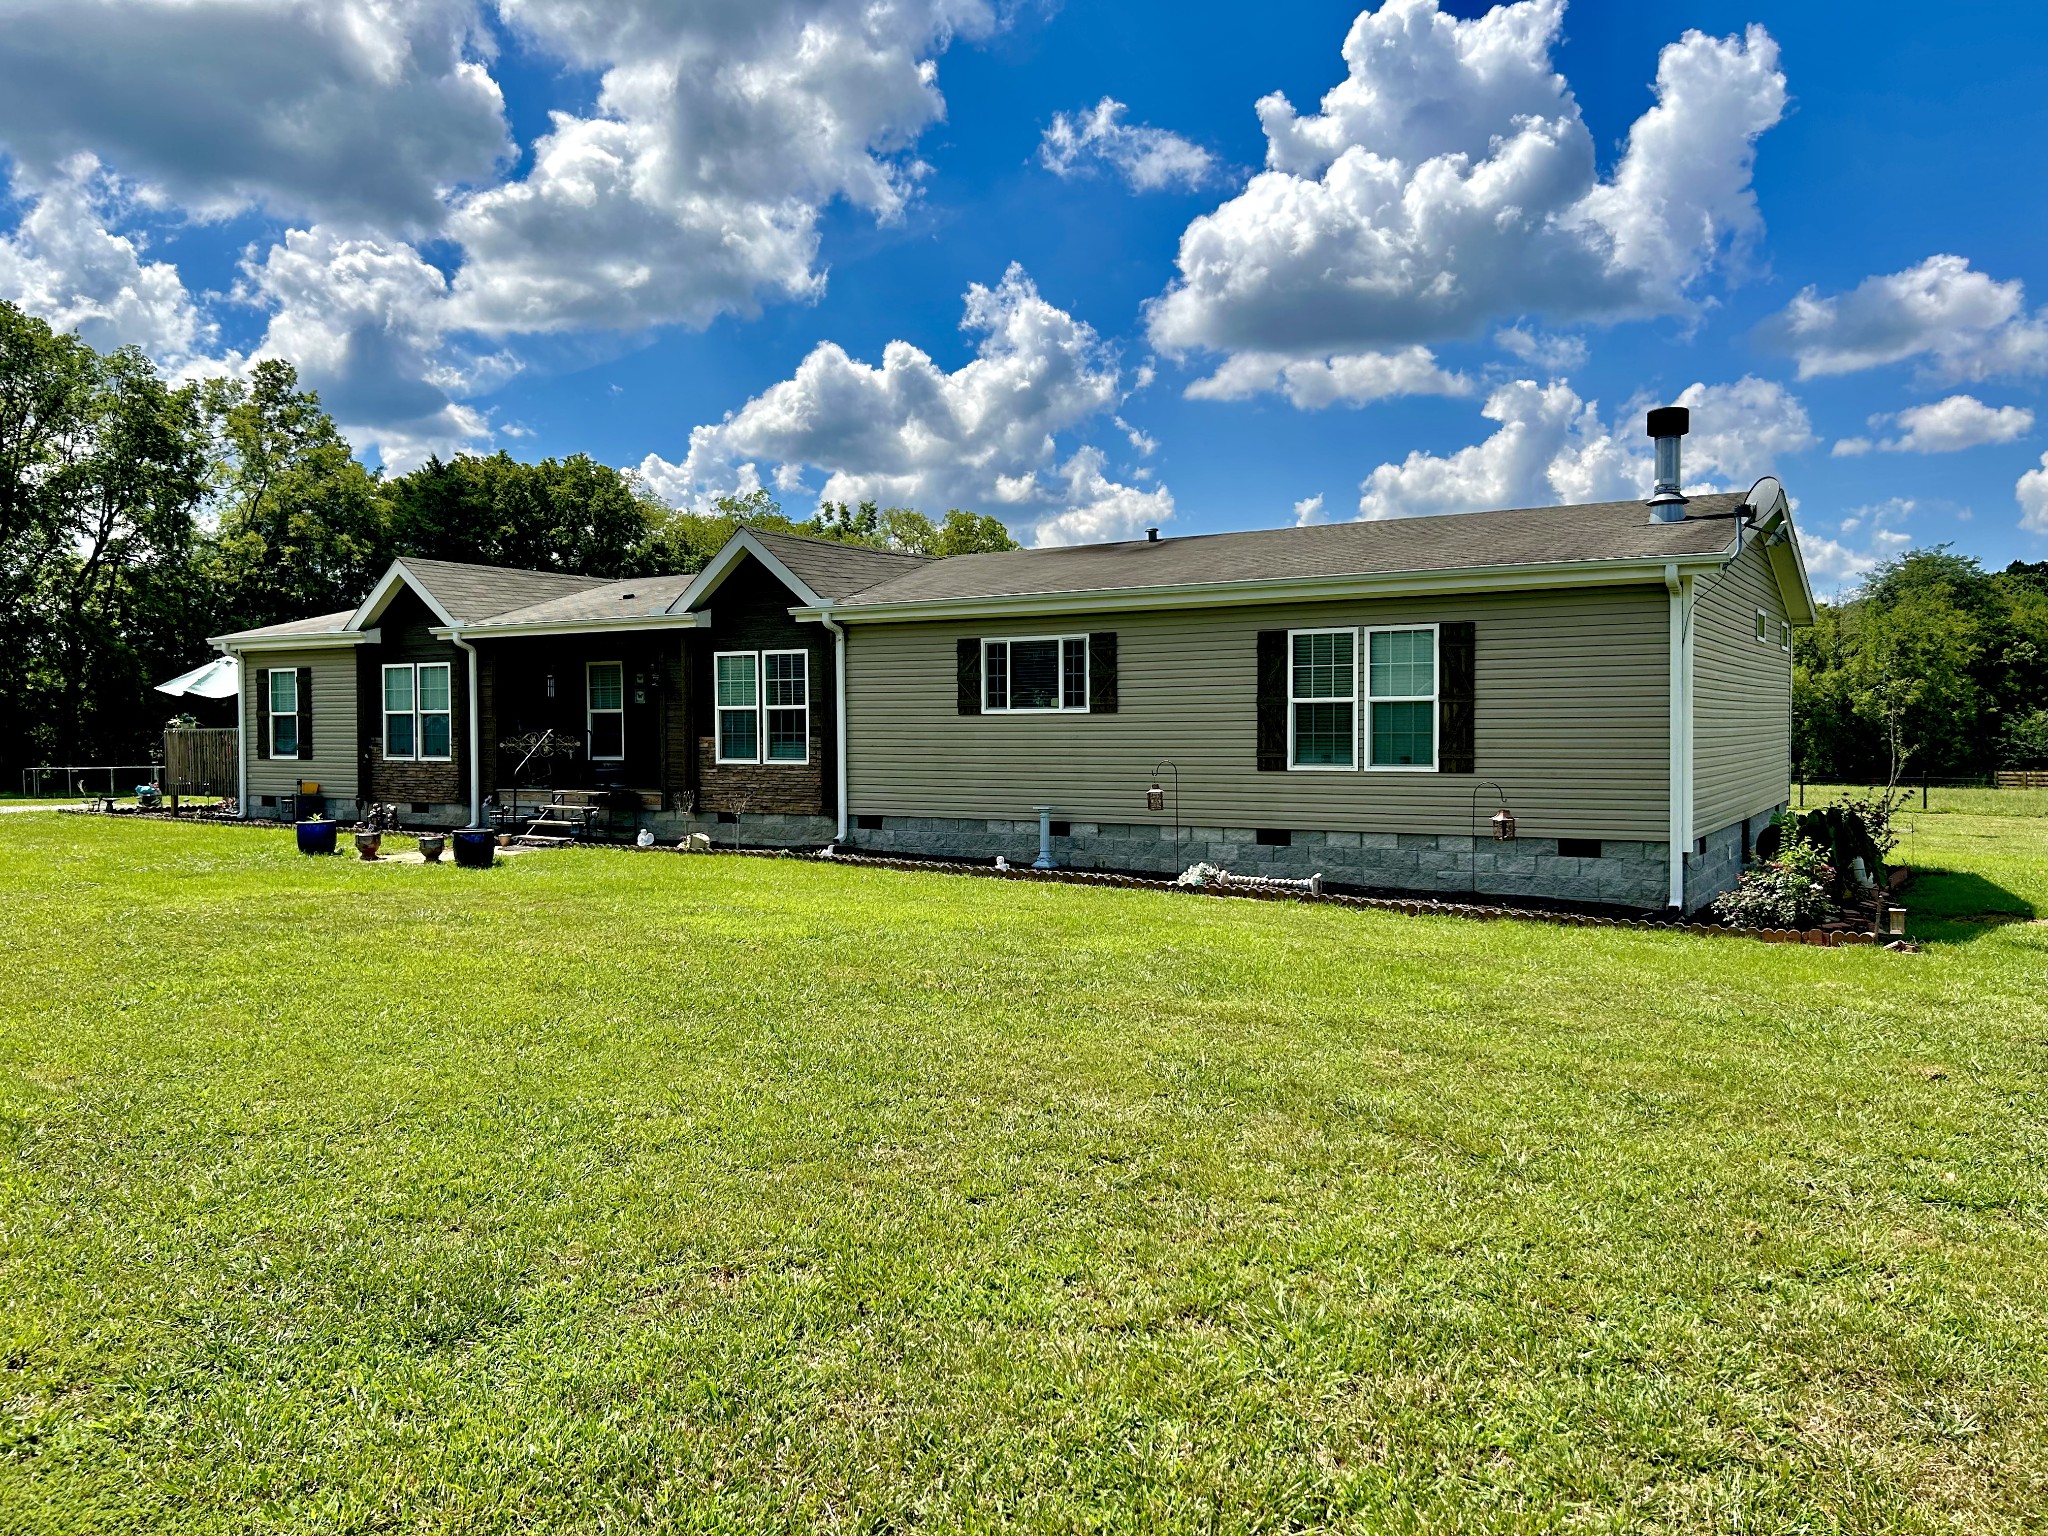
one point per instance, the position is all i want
(202, 762)
(2023, 778)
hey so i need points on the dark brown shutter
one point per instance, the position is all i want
(1102, 673)
(263, 713)
(967, 658)
(1456, 686)
(1272, 701)
(305, 713)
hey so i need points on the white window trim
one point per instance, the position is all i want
(761, 692)
(591, 712)
(1763, 625)
(276, 714)
(1061, 708)
(420, 713)
(418, 754)
(718, 711)
(1297, 767)
(1785, 636)
(1436, 683)
(385, 711)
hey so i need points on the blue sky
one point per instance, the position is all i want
(1088, 267)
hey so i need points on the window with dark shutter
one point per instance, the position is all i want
(1102, 673)
(305, 712)
(263, 713)
(967, 663)
(1457, 687)
(1272, 697)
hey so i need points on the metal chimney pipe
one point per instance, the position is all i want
(1668, 426)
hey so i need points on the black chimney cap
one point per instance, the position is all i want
(1151, 535)
(1670, 421)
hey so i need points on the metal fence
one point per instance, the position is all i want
(50, 781)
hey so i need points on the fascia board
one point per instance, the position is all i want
(324, 640)
(701, 619)
(1238, 594)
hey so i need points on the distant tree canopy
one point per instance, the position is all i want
(138, 517)
(1935, 666)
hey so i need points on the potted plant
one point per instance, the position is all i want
(316, 836)
(371, 827)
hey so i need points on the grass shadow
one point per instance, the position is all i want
(1952, 906)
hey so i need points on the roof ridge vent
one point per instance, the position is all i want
(1668, 425)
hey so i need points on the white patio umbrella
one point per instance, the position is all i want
(220, 678)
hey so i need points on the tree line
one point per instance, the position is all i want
(1934, 667)
(138, 517)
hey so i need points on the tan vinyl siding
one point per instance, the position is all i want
(333, 761)
(1571, 718)
(1742, 691)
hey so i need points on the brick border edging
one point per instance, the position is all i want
(1407, 906)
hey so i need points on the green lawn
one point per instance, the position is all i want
(607, 1191)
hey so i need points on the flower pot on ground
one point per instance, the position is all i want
(430, 848)
(367, 844)
(316, 836)
(476, 847)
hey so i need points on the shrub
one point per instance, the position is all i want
(1790, 891)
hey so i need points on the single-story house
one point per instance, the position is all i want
(1354, 699)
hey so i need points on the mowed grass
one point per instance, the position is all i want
(608, 1191)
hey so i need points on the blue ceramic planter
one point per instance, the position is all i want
(475, 848)
(316, 836)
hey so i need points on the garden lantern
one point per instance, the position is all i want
(1155, 799)
(1503, 825)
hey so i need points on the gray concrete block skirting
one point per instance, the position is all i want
(1625, 874)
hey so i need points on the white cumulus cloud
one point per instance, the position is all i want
(1552, 447)
(2032, 491)
(1450, 181)
(1149, 159)
(720, 133)
(1314, 382)
(907, 432)
(364, 320)
(368, 109)
(1943, 426)
(1961, 323)
(64, 264)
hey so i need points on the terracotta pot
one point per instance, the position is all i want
(431, 847)
(367, 844)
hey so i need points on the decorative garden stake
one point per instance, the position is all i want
(1503, 824)
(1155, 800)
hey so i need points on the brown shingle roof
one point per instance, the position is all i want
(325, 624)
(834, 570)
(475, 592)
(1597, 531)
(641, 597)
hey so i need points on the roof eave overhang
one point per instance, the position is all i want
(701, 619)
(1512, 578)
(1772, 510)
(742, 543)
(320, 640)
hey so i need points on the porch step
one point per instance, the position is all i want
(529, 840)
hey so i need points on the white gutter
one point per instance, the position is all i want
(244, 681)
(839, 673)
(317, 640)
(1569, 573)
(1680, 728)
(476, 749)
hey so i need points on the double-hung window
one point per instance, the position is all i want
(419, 711)
(604, 693)
(1322, 698)
(1390, 673)
(786, 705)
(764, 706)
(1401, 688)
(284, 712)
(1034, 675)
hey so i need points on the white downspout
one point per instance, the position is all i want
(1680, 730)
(476, 756)
(242, 686)
(839, 678)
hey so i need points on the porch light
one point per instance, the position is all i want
(551, 685)
(1503, 825)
